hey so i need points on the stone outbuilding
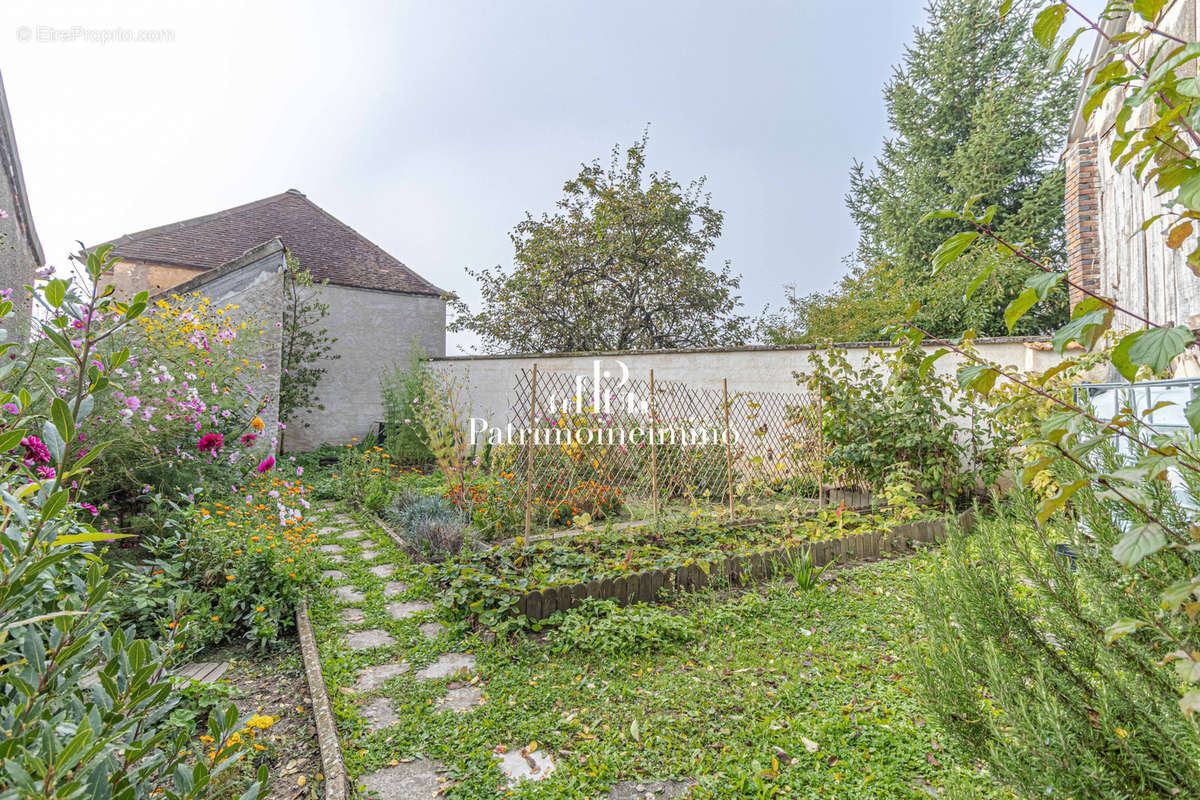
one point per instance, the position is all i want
(378, 307)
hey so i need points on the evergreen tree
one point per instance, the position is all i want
(975, 110)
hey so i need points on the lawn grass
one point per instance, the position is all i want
(780, 693)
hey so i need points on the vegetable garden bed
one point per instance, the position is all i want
(531, 581)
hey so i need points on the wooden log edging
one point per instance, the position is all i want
(387, 529)
(336, 781)
(643, 587)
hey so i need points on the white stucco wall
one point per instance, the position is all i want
(374, 330)
(491, 379)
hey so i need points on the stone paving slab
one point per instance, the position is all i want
(348, 594)
(416, 779)
(411, 608)
(369, 639)
(446, 665)
(333, 575)
(330, 548)
(649, 790)
(365, 640)
(518, 766)
(351, 536)
(337, 559)
(351, 616)
(379, 714)
(382, 570)
(374, 677)
(394, 588)
(368, 555)
(461, 699)
(431, 630)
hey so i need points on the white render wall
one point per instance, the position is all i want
(374, 330)
(491, 379)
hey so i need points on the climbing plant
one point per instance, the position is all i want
(306, 345)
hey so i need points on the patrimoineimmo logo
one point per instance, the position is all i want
(605, 408)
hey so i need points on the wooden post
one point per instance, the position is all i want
(820, 452)
(728, 446)
(529, 453)
(653, 452)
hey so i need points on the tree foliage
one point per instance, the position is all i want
(974, 111)
(620, 265)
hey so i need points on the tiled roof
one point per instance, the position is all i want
(328, 248)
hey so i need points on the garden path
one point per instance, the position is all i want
(386, 634)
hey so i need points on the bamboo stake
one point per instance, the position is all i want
(728, 446)
(653, 452)
(529, 453)
(820, 453)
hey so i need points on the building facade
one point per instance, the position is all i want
(1112, 248)
(20, 251)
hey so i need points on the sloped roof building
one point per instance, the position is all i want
(379, 308)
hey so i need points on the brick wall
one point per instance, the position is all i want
(1081, 209)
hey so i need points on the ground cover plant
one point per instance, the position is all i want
(779, 691)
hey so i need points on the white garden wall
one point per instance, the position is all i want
(491, 379)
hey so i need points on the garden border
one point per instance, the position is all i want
(643, 587)
(336, 781)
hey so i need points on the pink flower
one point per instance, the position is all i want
(35, 451)
(248, 439)
(45, 473)
(210, 443)
(266, 465)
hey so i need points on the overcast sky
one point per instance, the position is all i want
(432, 127)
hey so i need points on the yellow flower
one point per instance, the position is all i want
(257, 423)
(1122, 732)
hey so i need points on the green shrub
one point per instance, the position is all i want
(604, 628)
(402, 392)
(1015, 665)
(85, 706)
(893, 411)
(365, 477)
(431, 527)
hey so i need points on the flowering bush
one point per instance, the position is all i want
(250, 559)
(178, 410)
